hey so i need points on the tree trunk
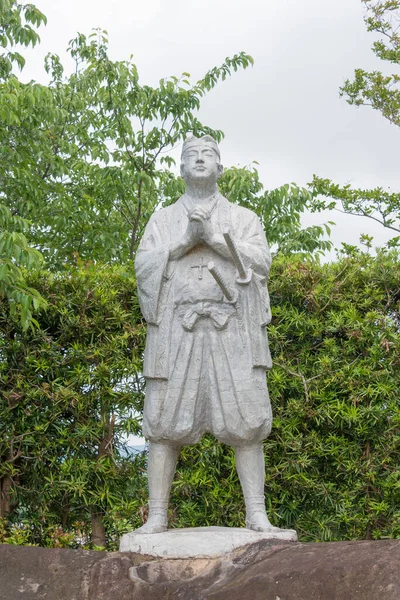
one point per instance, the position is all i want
(105, 447)
(65, 513)
(98, 530)
(137, 220)
(5, 496)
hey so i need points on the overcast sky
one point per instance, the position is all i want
(285, 112)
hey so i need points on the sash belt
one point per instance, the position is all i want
(218, 313)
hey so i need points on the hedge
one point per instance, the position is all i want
(72, 391)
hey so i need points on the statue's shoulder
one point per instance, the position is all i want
(241, 213)
(164, 214)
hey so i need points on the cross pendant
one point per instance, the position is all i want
(200, 268)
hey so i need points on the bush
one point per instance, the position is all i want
(72, 391)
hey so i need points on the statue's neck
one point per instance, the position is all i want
(201, 194)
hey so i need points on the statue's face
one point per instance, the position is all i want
(200, 164)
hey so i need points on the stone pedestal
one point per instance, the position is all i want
(265, 570)
(199, 542)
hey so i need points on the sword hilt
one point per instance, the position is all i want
(244, 273)
(231, 295)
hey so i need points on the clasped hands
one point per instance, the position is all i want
(199, 228)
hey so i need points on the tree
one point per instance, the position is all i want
(93, 157)
(71, 390)
(374, 89)
(16, 22)
(90, 166)
(84, 161)
(382, 93)
(280, 211)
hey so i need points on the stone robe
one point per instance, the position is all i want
(205, 357)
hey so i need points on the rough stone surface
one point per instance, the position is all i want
(263, 571)
(199, 542)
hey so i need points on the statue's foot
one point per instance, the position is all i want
(258, 521)
(154, 524)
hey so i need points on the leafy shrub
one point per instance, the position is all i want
(71, 392)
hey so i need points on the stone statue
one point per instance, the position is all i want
(202, 267)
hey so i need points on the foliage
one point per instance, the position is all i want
(16, 22)
(70, 394)
(71, 390)
(14, 254)
(89, 156)
(89, 160)
(332, 458)
(84, 161)
(377, 204)
(280, 211)
(382, 93)
(375, 89)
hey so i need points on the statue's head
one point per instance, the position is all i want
(200, 160)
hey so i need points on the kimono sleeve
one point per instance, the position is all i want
(252, 243)
(150, 264)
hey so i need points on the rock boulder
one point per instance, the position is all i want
(367, 570)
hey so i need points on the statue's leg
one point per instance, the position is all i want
(251, 470)
(160, 472)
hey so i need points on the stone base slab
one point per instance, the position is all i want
(199, 542)
(358, 570)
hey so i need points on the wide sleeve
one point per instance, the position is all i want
(253, 247)
(251, 242)
(151, 265)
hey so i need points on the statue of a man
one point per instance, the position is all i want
(202, 268)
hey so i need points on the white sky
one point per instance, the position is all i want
(285, 112)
